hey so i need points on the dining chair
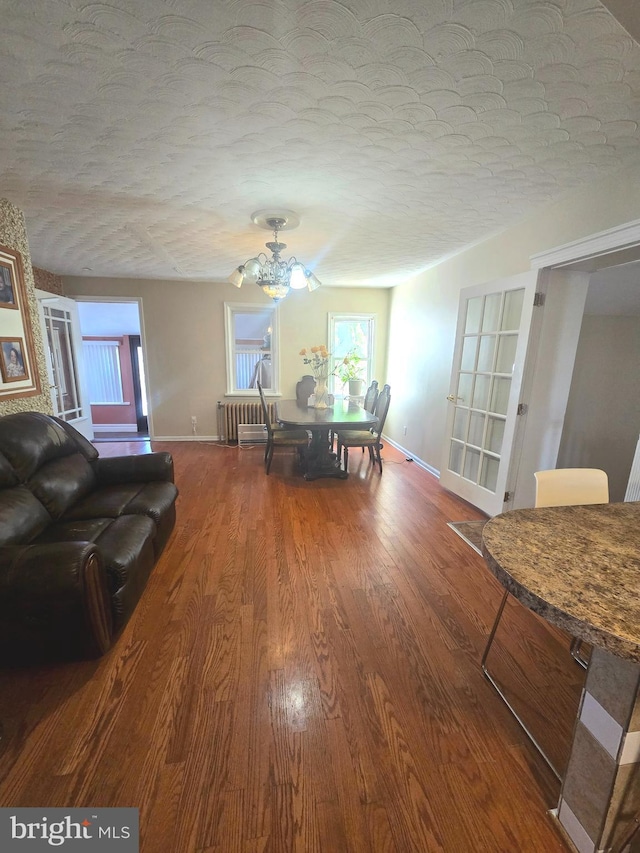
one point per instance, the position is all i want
(571, 487)
(369, 405)
(556, 487)
(278, 436)
(367, 438)
(371, 398)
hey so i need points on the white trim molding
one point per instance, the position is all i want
(115, 427)
(614, 239)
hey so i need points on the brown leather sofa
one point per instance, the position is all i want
(79, 537)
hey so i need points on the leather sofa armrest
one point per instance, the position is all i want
(146, 468)
(54, 602)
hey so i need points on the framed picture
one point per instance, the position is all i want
(12, 363)
(7, 288)
(19, 373)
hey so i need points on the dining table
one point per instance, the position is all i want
(321, 460)
(578, 567)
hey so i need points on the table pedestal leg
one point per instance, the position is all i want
(600, 795)
(321, 460)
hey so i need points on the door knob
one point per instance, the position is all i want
(452, 398)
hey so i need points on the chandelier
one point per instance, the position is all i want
(275, 276)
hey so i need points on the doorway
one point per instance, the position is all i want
(115, 368)
(578, 279)
(602, 420)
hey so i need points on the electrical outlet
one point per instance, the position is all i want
(405, 430)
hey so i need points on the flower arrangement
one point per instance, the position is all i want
(317, 359)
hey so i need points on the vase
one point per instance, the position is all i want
(322, 393)
(355, 387)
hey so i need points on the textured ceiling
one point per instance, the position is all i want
(138, 137)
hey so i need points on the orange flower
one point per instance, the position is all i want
(303, 352)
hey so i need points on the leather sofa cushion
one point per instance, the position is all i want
(151, 499)
(154, 500)
(61, 483)
(22, 516)
(120, 542)
(29, 440)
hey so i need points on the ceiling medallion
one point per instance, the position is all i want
(275, 276)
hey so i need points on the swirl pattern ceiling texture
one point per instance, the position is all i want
(139, 137)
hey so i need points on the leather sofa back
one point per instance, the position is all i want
(44, 457)
(22, 516)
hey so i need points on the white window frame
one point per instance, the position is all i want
(230, 311)
(335, 385)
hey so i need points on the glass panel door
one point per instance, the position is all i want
(61, 331)
(493, 326)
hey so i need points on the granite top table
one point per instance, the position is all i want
(576, 566)
(579, 568)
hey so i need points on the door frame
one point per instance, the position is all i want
(138, 300)
(564, 279)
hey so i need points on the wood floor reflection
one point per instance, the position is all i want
(302, 674)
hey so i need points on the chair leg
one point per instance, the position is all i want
(269, 457)
(346, 458)
(490, 639)
(379, 458)
(575, 647)
(625, 841)
(501, 694)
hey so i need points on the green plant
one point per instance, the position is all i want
(349, 368)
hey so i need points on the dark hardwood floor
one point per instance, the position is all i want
(303, 674)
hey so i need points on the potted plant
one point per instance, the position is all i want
(349, 370)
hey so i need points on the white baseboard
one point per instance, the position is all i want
(420, 462)
(185, 438)
(115, 428)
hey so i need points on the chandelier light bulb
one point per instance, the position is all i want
(273, 275)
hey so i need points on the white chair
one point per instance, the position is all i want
(557, 487)
(572, 487)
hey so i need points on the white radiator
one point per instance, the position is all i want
(633, 486)
(242, 413)
(249, 434)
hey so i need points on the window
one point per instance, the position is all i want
(351, 333)
(104, 379)
(251, 338)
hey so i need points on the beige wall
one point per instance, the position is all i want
(424, 311)
(13, 234)
(184, 339)
(602, 423)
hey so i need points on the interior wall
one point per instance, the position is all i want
(424, 310)
(183, 332)
(13, 234)
(602, 423)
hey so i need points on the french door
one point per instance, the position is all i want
(65, 366)
(492, 335)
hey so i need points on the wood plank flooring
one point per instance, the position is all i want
(302, 674)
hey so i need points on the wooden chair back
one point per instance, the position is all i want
(371, 397)
(382, 407)
(265, 411)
